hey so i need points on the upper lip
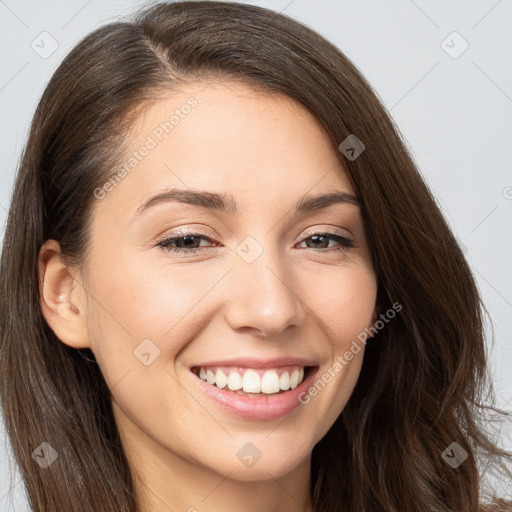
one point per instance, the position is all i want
(254, 362)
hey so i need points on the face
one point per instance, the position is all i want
(248, 293)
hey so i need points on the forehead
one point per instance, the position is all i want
(228, 137)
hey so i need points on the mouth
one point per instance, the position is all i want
(253, 382)
(255, 393)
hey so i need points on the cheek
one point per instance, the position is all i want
(345, 305)
(140, 308)
(147, 300)
(344, 301)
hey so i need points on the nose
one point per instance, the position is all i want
(262, 298)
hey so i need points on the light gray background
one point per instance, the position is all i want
(455, 113)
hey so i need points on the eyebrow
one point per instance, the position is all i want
(227, 203)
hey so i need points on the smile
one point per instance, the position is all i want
(254, 393)
(252, 380)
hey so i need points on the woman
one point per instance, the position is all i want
(320, 349)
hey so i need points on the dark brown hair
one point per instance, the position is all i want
(424, 381)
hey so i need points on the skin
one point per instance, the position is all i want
(296, 298)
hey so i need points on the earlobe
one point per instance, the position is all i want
(61, 297)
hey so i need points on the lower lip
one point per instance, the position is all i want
(257, 408)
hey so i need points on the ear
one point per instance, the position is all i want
(62, 297)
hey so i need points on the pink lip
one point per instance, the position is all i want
(264, 408)
(253, 362)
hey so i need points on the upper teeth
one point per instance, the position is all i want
(253, 381)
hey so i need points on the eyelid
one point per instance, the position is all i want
(331, 230)
(202, 230)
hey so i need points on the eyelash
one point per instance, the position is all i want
(345, 243)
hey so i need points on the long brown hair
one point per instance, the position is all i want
(424, 383)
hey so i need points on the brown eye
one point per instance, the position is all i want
(187, 243)
(322, 240)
